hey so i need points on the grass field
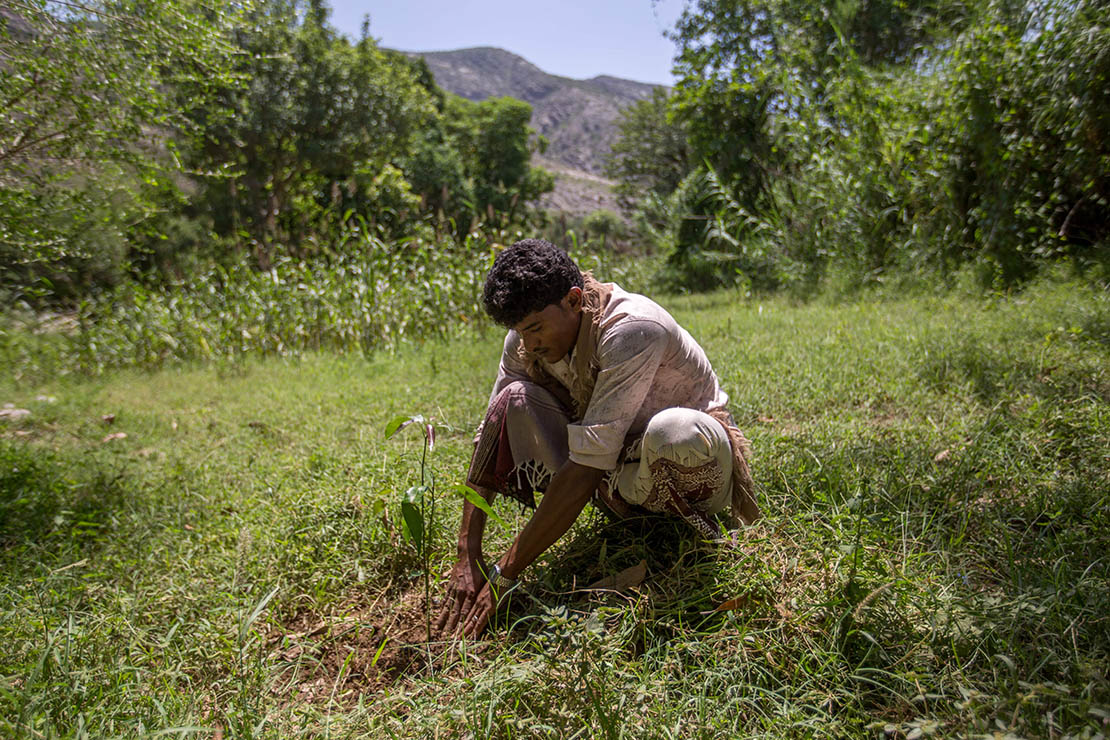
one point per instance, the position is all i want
(933, 559)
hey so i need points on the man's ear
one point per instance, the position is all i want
(574, 298)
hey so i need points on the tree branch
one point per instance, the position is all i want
(18, 148)
(35, 82)
(1066, 226)
(94, 11)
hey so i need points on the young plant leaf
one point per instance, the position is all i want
(411, 517)
(413, 524)
(398, 423)
(475, 498)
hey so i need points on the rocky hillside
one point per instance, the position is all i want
(577, 116)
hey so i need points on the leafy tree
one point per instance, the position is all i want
(874, 136)
(495, 142)
(318, 120)
(89, 94)
(436, 169)
(602, 224)
(652, 153)
(421, 72)
(747, 66)
(395, 205)
(1027, 137)
(731, 66)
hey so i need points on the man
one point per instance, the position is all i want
(600, 394)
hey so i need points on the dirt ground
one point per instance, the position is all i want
(359, 650)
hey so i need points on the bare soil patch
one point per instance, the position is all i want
(360, 649)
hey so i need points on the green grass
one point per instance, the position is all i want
(368, 297)
(933, 560)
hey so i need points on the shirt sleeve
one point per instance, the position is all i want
(511, 369)
(629, 356)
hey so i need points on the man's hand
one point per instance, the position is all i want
(479, 615)
(563, 501)
(467, 581)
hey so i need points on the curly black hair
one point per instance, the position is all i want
(528, 276)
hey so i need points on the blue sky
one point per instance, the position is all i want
(573, 38)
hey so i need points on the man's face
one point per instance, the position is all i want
(552, 332)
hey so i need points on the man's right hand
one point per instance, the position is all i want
(467, 580)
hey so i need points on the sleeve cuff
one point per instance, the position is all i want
(596, 446)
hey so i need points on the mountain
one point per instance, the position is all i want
(578, 117)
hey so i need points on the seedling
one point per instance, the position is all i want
(418, 506)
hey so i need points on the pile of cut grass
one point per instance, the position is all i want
(933, 557)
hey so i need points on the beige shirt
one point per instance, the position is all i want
(647, 363)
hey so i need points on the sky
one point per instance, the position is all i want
(572, 38)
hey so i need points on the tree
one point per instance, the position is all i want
(496, 145)
(1027, 137)
(318, 121)
(652, 153)
(747, 66)
(438, 175)
(89, 94)
(602, 224)
(884, 134)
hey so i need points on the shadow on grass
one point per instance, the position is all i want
(992, 375)
(682, 576)
(604, 547)
(1010, 529)
(49, 503)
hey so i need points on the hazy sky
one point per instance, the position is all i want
(572, 38)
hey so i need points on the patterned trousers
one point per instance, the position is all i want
(681, 464)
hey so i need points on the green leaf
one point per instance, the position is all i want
(475, 498)
(413, 524)
(398, 423)
(411, 517)
(245, 626)
(378, 654)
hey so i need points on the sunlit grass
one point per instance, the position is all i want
(933, 470)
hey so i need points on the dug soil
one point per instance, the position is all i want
(361, 649)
